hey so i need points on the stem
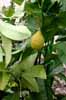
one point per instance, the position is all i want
(20, 91)
(39, 57)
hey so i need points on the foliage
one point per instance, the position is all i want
(26, 73)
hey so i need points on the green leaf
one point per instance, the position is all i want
(2, 66)
(18, 32)
(54, 8)
(34, 16)
(23, 66)
(49, 27)
(63, 5)
(27, 52)
(1, 55)
(42, 95)
(29, 61)
(21, 70)
(4, 78)
(19, 2)
(7, 46)
(61, 51)
(38, 71)
(56, 70)
(14, 96)
(46, 5)
(55, 65)
(53, 1)
(8, 12)
(62, 19)
(64, 98)
(30, 82)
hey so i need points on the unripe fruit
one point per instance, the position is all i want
(37, 40)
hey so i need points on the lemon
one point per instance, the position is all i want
(37, 40)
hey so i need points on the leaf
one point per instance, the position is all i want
(23, 66)
(14, 96)
(42, 95)
(50, 27)
(56, 70)
(62, 19)
(61, 51)
(29, 61)
(54, 8)
(34, 16)
(27, 52)
(8, 12)
(1, 55)
(2, 67)
(63, 5)
(20, 70)
(7, 46)
(30, 82)
(4, 78)
(46, 5)
(56, 66)
(64, 98)
(38, 71)
(53, 1)
(19, 2)
(18, 32)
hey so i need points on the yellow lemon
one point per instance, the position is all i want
(37, 40)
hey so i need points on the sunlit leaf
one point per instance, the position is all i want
(7, 46)
(1, 55)
(26, 64)
(18, 32)
(30, 82)
(38, 71)
(4, 78)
